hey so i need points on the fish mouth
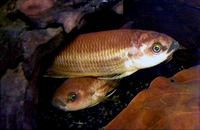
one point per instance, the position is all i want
(59, 104)
(174, 46)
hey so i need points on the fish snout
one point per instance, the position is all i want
(58, 103)
(174, 46)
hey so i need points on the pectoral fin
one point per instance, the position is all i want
(111, 93)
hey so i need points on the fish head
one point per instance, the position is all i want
(78, 93)
(153, 48)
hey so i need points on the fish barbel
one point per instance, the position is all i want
(79, 93)
(112, 54)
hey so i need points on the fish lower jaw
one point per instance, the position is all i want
(63, 108)
(148, 61)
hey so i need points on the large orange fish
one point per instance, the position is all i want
(112, 54)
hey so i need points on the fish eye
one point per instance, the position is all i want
(72, 96)
(156, 47)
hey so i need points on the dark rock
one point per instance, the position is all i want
(68, 13)
(35, 8)
(30, 40)
(19, 94)
(119, 8)
(10, 48)
(13, 89)
(192, 3)
(33, 48)
(40, 54)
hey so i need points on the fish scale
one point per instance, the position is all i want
(92, 66)
(100, 54)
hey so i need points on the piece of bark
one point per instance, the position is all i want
(169, 103)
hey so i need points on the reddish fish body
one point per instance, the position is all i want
(109, 53)
(79, 93)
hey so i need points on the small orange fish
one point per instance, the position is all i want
(79, 93)
(112, 54)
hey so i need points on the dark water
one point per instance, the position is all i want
(177, 20)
